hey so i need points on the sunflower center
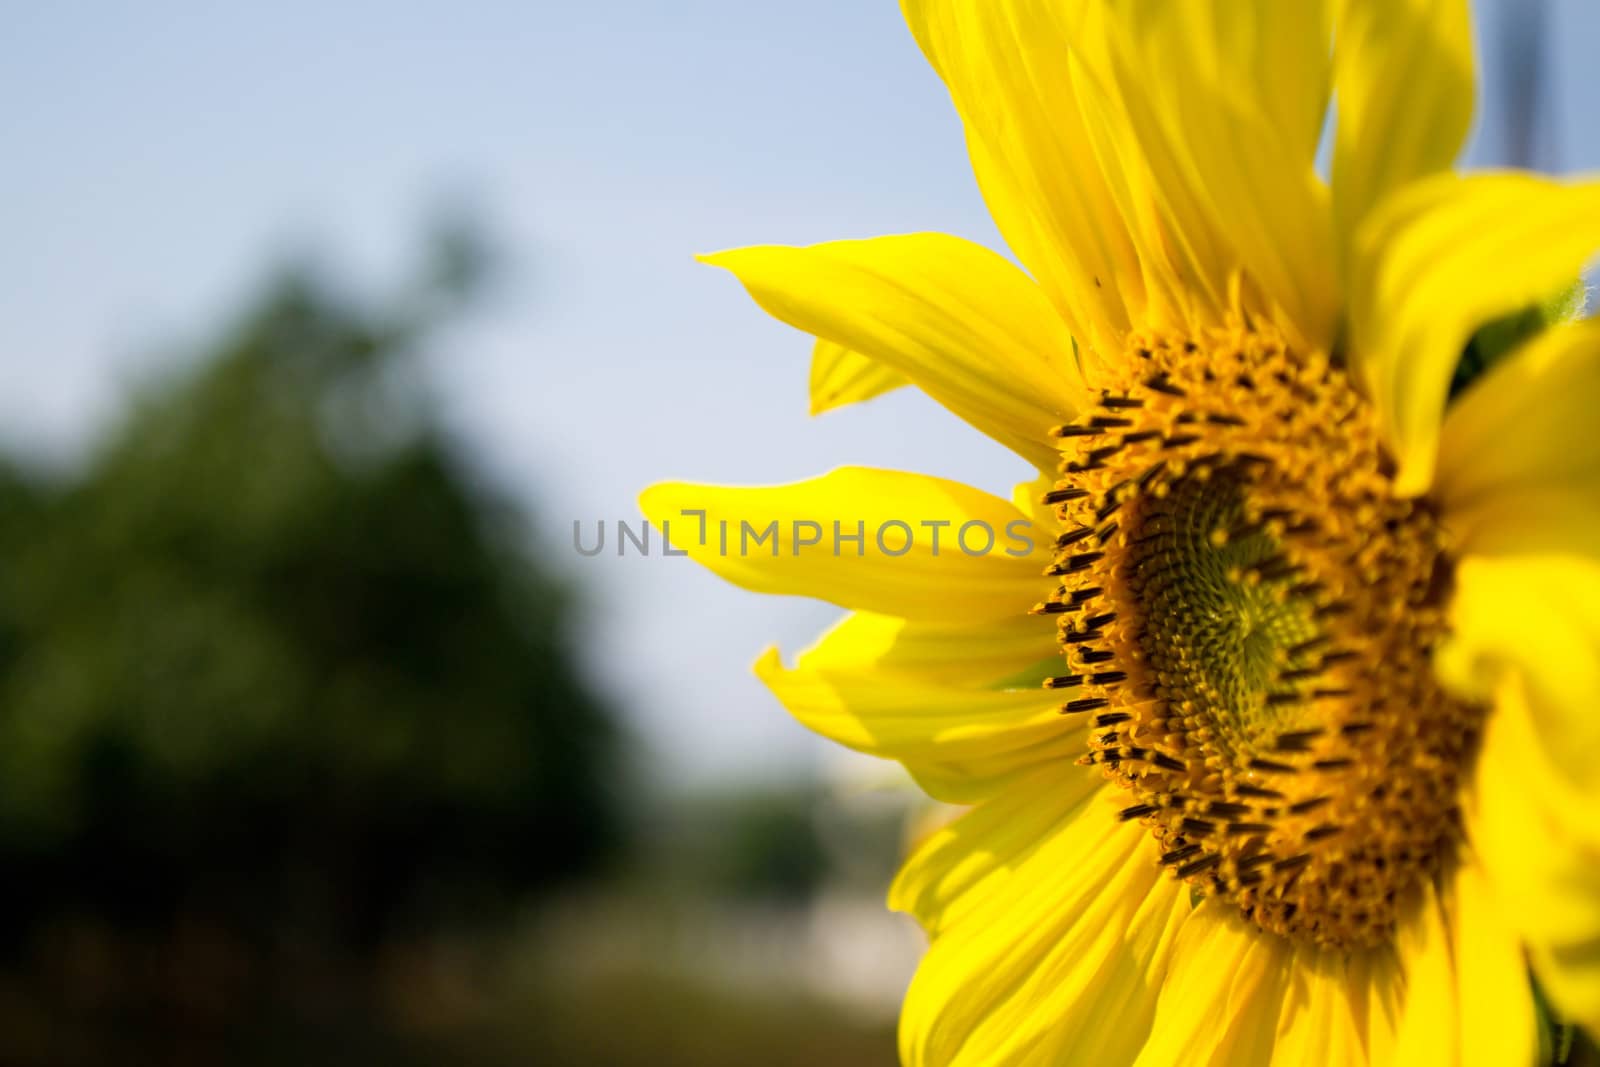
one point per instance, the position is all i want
(1248, 614)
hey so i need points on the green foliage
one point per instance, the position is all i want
(768, 846)
(1498, 339)
(275, 653)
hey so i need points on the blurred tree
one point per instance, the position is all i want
(766, 844)
(275, 656)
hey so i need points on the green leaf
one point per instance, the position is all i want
(1498, 339)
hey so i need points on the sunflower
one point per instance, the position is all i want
(1276, 697)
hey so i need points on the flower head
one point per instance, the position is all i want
(1277, 722)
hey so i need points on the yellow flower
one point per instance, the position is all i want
(1291, 754)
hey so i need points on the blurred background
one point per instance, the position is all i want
(324, 324)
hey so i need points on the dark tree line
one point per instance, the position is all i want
(275, 656)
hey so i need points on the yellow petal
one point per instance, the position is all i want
(1220, 1002)
(1433, 263)
(1378, 1000)
(840, 377)
(959, 743)
(1540, 856)
(1051, 927)
(990, 654)
(1226, 101)
(1326, 1004)
(881, 541)
(1139, 156)
(961, 866)
(1016, 86)
(1519, 458)
(1527, 637)
(959, 703)
(1403, 73)
(1467, 996)
(1536, 618)
(1430, 1029)
(1499, 1022)
(965, 325)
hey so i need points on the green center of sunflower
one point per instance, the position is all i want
(1248, 614)
(1221, 636)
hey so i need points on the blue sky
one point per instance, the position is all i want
(159, 157)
